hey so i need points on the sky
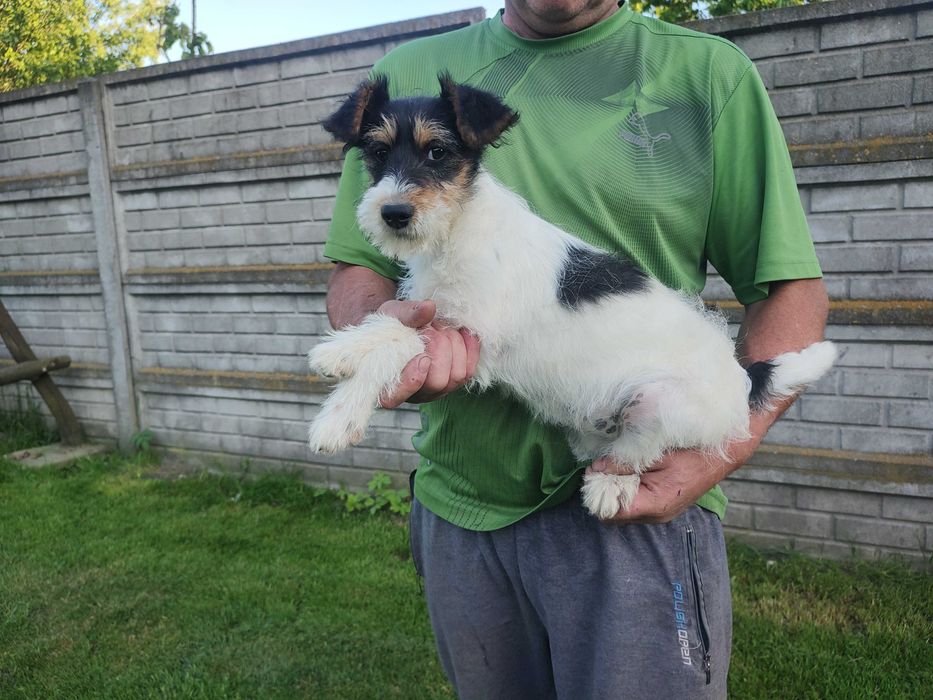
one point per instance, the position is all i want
(231, 25)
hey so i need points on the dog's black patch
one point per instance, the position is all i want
(760, 374)
(481, 116)
(589, 275)
(357, 111)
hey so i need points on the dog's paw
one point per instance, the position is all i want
(333, 358)
(343, 417)
(334, 432)
(604, 495)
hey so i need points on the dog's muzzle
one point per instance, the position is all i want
(397, 216)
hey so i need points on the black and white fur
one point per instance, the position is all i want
(629, 368)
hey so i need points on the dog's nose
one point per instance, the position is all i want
(397, 215)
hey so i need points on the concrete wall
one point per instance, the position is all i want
(849, 469)
(164, 227)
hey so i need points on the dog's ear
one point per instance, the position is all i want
(358, 111)
(481, 116)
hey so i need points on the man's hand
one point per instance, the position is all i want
(450, 358)
(448, 362)
(678, 480)
(668, 488)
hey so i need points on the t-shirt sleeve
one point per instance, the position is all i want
(346, 242)
(757, 230)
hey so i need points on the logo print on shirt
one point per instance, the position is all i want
(636, 132)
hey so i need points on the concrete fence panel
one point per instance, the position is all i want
(164, 227)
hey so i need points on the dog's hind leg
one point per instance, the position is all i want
(370, 359)
(604, 494)
(633, 441)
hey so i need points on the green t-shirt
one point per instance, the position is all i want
(635, 135)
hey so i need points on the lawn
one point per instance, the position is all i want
(117, 582)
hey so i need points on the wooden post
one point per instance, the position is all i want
(68, 426)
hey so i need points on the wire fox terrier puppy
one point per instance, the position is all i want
(629, 368)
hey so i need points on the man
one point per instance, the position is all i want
(653, 141)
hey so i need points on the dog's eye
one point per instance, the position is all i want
(381, 154)
(436, 153)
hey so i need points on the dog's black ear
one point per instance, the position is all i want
(359, 110)
(481, 116)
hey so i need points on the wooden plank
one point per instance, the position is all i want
(32, 369)
(68, 425)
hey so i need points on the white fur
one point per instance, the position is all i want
(656, 363)
(367, 357)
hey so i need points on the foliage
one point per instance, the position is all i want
(44, 41)
(685, 10)
(192, 43)
(142, 440)
(23, 426)
(379, 496)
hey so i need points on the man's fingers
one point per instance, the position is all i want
(648, 507)
(414, 314)
(458, 360)
(413, 377)
(441, 353)
(448, 362)
(471, 344)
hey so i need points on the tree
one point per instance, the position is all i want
(684, 10)
(44, 41)
(192, 43)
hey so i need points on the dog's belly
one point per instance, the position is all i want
(633, 378)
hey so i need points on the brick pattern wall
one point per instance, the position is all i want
(271, 105)
(48, 234)
(222, 184)
(830, 522)
(41, 136)
(274, 223)
(865, 82)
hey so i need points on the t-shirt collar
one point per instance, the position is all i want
(559, 44)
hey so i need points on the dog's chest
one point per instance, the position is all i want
(462, 298)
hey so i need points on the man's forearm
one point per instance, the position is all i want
(790, 319)
(354, 292)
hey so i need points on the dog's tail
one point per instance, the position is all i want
(787, 374)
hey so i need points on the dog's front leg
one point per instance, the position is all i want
(368, 359)
(604, 494)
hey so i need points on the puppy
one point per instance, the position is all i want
(629, 368)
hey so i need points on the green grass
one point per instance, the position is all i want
(821, 629)
(115, 584)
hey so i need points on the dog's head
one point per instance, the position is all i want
(423, 154)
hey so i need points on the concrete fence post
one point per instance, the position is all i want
(111, 257)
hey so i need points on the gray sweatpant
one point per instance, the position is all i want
(560, 605)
